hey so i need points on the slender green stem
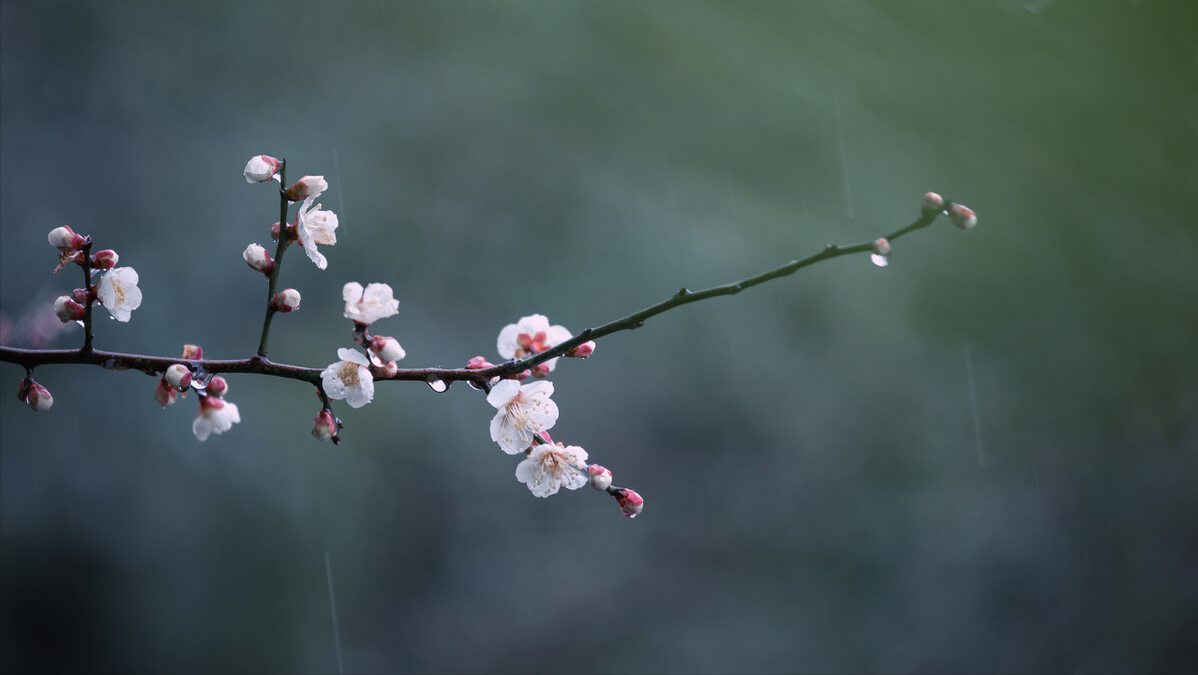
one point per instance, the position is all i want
(273, 278)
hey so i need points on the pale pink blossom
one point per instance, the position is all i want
(531, 335)
(308, 187)
(523, 411)
(367, 305)
(550, 467)
(349, 379)
(316, 226)
(216, 416)
(118, 292)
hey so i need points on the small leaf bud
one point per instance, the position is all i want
(307, 187)
(963, 216)
(274, 231)
(583, 350)
(104, 260)
(630, 502)
(261, 168)
(881, 254)
(178, 376)
(325, 427)
(600, 477)
(287, 300)
(217, 387)
(258, 259)
(67, 309)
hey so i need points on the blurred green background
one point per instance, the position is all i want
(980, 459)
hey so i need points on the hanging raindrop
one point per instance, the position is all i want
(200, 378)
(437, 384)
(879, 260)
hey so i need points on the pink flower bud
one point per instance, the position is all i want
(217, 387)
(82, 296)
(287, 300)
(541, 370)
(583, 350)
(178, 376)
(963, 216)
(520, 376)
(387, 370)
(261, 168)
(308, 186)
(165, 394)
(193, 352)
(882, 246)
(64, 239)
(67, 309)
(257, 258)
(478, 363)
(600, 477)
(274, 231)
(386, 348)
(104, 260)
(37, 396)
(932, 203)
(325, 427)
(630, 502)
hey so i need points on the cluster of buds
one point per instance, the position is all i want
(117, 290)
(35, 395)
(962, 216)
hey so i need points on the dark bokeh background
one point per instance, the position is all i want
(982, 458)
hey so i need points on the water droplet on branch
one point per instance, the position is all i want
(437, 384)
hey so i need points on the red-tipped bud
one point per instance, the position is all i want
(104, 260)
(34, 394)
(478, 363)
(193, 352)
(630, 502)
(521, 376)
(165, 394)
(386, 348)
(932, 203)
(325, 426)
(583, 350)
(217, 387)
(600, 477)
(258, 259)
(275, 230)
(307, 186)
(261, 168)
(82, 296)
(287, 300)
(64, 239)
(67, 309)
(178, 376)
(386, 371)
(541, 370)
(963, 216)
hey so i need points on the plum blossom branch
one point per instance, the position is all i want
(260, 365)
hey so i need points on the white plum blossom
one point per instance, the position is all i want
(524, 410)
(216, 416)
(349, 379)
(367, 305)
(118, 292)
(550, 467)
(316, 226)
(531, 335)
(308, 187)
(258, 258)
